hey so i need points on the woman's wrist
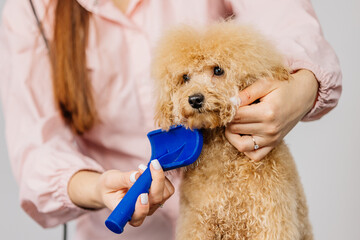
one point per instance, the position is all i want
(308, 86)
(83, 190)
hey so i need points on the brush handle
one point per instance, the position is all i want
(126, 207)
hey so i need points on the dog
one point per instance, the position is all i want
(224, 194)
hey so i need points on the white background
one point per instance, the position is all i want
(326, 151)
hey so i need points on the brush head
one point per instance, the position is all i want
(177, 147)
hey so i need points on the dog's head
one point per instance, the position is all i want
(199, 73)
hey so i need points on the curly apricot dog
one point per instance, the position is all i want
(226, 195)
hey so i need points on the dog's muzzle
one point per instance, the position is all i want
(196, 101)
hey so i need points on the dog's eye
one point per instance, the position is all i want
(186, 78)
(218, 71)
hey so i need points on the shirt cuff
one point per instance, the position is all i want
(325, 100)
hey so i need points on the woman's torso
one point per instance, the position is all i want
(119, 63)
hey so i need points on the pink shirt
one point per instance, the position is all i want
(43, 151)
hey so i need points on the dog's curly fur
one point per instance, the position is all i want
(225, 195)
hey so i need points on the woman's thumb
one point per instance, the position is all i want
(118, 180)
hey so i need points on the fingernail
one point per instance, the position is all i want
(144, 198)
(132, 177)
(142, 167)
(155, 163)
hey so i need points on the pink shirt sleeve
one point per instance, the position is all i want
(42, 149)
(294, 28)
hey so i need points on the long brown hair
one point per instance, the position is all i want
(72, 86)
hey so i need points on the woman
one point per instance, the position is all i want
(80, 108)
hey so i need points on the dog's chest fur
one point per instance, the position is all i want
(227, 189)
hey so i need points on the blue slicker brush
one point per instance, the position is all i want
(175, 148)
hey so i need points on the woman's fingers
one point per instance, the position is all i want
(267, 133)
(142, 207)
(142, 168)
(249, 114)
(259, 154)
(254, 147)
(134, 176)
(262, 112)
(158, 183)
(257, 90)
(245, 143)
(246, 128)
(168, 192)
(169, 189)
(161, 188)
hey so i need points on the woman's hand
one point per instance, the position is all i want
(282, 105)
(94, 190)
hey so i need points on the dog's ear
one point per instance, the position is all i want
(164, 107)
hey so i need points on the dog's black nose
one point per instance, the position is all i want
(196, 101)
